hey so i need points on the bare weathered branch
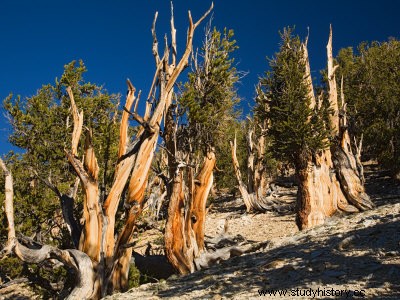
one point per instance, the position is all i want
(342, 91)
(333, 97)
(123, 129)
(189, 45)
(360, 167)
(9, 206)
(77, 260)
(242, 187)
(155, 42)
(308, 78)
(173, 36)
(78, 123)
(137, 101)
(155, 79)
(359, 146)
(78, 167)
(204, 15)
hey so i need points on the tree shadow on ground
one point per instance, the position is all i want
(228, 204)
(366, 257)
(381, 187)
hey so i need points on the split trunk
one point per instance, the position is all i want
(184, 232)
(332, 179)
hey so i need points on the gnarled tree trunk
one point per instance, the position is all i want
(254, 192)
(332, 179)
(184, 231)
(78, 261)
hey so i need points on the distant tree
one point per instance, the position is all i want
(311, 137)
(372, 87)
(258, 164)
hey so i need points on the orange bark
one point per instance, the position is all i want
(329, 180)
(184, 232)
(175, 235)
(203, 183)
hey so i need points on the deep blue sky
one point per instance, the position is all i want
(113, 37)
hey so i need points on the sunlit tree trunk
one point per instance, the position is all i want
(332, 179)
(184, 231)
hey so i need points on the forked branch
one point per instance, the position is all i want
(189, 45)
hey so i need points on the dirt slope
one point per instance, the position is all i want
(349, 254)
(356, 252)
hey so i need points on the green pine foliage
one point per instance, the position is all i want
(284, 101)
(210, 91)
(209, 99)
(372, 91)
(42, 127)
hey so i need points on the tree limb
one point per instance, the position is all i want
(78, 261)
(173, 36)
(78, 123)
(9, 206)
(333, 97)
(67, 206)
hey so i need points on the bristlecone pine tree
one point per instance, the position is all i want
(314, 139)
(207, 104)
(372, 88)
(100, 261)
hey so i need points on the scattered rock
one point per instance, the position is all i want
(346, 243)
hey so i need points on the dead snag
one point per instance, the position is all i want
(165, 78)
(253, 193)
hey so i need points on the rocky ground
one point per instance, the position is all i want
(359, 252)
